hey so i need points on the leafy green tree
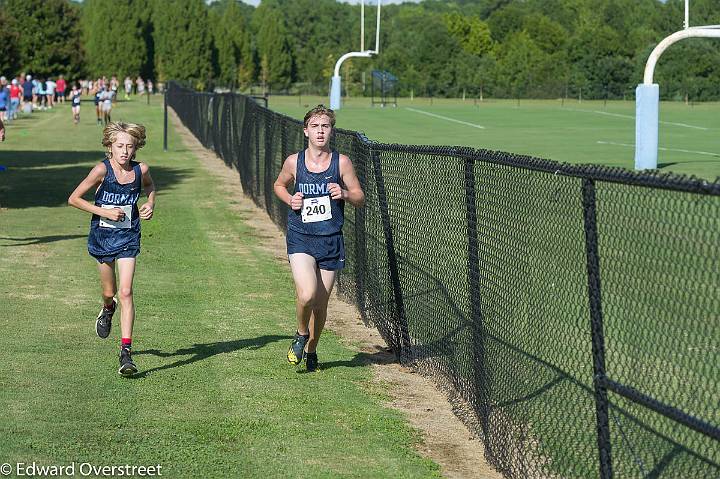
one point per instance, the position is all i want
(273, 46)
(506, 21)
(233, 44)
(115, 47)
(547, 34)
(9, 39)
(518, 63)
(421, 40)
(182, 39)
(472, 33)
(317, 29)
(49, 36)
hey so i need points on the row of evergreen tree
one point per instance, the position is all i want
(500, 48)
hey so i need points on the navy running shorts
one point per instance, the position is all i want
(126, 253)
(328, 251)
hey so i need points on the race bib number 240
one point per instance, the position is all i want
(316, 209)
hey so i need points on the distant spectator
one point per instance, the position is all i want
(61, 87)
(40, 94)
(15, 96)
(28, 92)
(2, 131)
(150, 87)
(35, 83)
(50, 87)
(4, 98)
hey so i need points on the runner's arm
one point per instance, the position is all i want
(93, 180)
(146, 210)
(285, 178)
(353, 191)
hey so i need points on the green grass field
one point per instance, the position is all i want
(215, 396)
(574, 132)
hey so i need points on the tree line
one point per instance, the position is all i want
(473, 48)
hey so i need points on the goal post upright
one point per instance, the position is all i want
(647, 94)
(336, 84)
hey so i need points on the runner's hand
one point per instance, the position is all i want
(114, 214)
(336, 192)
(146, 211)
(296, 201)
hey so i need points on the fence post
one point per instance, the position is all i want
(165, 95)
(596, 329)
(476, 319)
(402, 336)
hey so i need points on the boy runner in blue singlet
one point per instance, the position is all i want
(115, 226)
(98, 99)
(324, 180)
(75, 99)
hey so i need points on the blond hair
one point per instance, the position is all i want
(110, 133)
(318, 111)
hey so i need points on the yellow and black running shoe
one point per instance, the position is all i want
(297, 348)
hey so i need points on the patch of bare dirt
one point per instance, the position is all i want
(446, 440)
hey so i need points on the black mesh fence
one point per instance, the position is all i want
(570, 313)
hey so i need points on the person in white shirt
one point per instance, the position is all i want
(50, 87)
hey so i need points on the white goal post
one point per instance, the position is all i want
(336, 85)
(647, 94)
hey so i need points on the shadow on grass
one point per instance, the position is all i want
(199, 352)
(362, 359)
(28, 240)
(35, 178)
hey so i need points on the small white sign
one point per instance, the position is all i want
(316, 209)
(124, 224)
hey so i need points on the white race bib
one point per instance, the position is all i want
(316, 209)
(124, 224)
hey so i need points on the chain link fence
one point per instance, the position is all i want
(570, 313)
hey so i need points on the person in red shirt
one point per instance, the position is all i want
(15, 95)
(60, 88)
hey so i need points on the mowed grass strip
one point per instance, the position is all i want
(215, 396)
(587, 132)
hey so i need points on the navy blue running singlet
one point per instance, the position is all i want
(320, 215)
(108, 238)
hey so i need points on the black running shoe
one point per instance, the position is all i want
(127, 366)
(297, 349)
(311, 362)
(103, 324)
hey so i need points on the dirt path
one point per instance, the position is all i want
(445, 439)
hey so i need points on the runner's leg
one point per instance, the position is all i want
(126, 270)
(325, 282)
(304, 272)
